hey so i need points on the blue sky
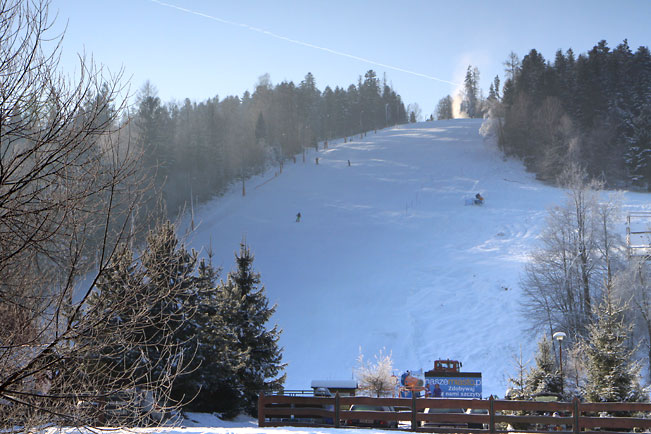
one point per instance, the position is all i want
(216, 49)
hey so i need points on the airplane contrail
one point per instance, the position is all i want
(305, 44)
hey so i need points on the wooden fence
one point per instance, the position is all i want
(490, 416)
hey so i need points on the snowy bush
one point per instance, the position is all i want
(376, 378)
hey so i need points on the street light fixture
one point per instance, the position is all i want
(559, 336)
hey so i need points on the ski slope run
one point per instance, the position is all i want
(387, 255)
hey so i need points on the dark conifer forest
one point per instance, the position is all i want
(594, 109)
(196, 150)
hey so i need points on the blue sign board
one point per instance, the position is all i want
(454, 387)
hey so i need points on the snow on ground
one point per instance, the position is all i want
(387, 255)
(204, 423)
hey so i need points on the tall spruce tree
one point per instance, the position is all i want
(214, 345)
(612, 371)
(471, 103)
(145, 343)
(245, 307)
(168, 269)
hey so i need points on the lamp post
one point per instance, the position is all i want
(559, 336)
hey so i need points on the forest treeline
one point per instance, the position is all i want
(594, 109)
(195, 150)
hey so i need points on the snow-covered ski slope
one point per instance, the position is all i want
(387, 255)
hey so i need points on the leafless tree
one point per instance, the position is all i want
(376, 377)
(554, 133)
(578, 251)
(69, 187)
(512, 65)
(574, 369)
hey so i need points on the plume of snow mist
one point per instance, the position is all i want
(457, 98)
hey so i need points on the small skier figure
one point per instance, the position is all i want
(479, 200)
(348, 163)
(298, 217)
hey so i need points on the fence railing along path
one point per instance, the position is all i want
(499, 416)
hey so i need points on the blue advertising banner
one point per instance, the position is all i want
(454, 387)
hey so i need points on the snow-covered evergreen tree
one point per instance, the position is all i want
(214, 333)
(612, 371)
(145, 343)
(545, 376)
(212, 342)
(245, 307)
(471, 103)
(168, 269)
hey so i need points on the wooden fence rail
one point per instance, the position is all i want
(490, 416)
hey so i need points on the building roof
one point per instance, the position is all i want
(334, 384)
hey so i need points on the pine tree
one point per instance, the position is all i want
(638, 134)
(260, 129)
(151, 122)
(213, 343)
(244, 306)
(444, 108)
(216, 332)
(121, 284)
(168, 271)
(144, 345)
(544, 377)
(496, 87)
(612, 372)
(373, 112)
(491, 93)
(518, 382)
(472, 103)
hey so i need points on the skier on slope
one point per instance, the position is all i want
(479, 200)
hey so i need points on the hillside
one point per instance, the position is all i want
(386, 253)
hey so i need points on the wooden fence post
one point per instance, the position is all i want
(414, 423)
(491, 415)
(577, 428)
(261, 404)
(336, 416)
